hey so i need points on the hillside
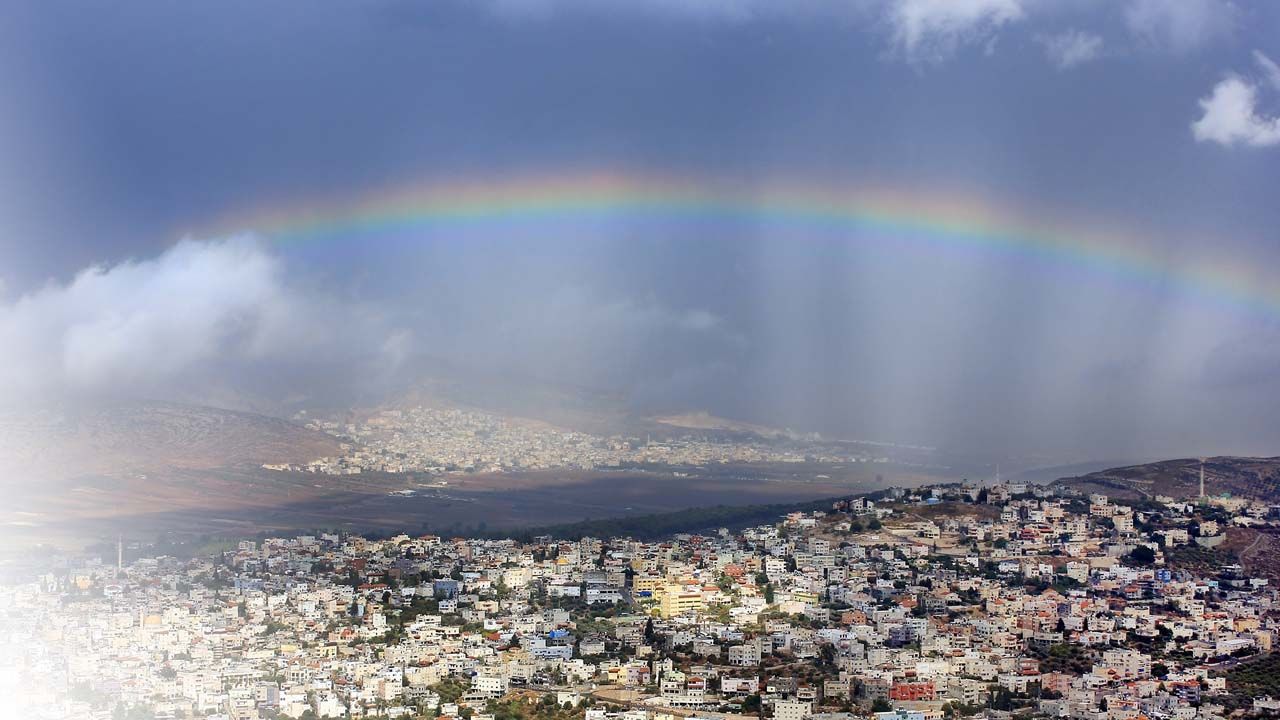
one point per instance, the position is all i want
(75, 473)
(1251, 477)
(59, 444)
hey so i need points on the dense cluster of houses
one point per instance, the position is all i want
(915, 605)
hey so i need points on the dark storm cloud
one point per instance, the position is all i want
(125, 127)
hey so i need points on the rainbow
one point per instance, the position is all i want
(859, 214)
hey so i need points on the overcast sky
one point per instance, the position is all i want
(128, 130)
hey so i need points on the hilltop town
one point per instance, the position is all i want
(938, 602)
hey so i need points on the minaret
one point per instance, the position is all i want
(119, 553)
(1202, 479)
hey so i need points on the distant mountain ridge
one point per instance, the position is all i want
(1252, 477)
(568, 407)
(703, 420)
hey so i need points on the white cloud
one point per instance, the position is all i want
(199, 312)
(1231, 116)
(1230, 113)
(932, 30)
(1071, 48)
(1270, 70)
(920, 30)
(1180, 25)
(697, 320)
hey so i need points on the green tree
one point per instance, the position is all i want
(1143, 555)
